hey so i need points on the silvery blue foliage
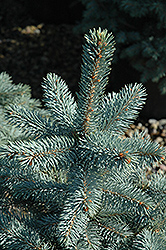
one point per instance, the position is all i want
(71, 180)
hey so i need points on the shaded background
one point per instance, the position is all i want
(36, 37)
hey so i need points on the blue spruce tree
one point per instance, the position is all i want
(73, 181)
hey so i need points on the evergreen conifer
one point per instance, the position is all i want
(72, 180)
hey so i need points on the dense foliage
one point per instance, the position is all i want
(71, 179)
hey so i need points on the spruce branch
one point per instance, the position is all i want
(17, 236)
(149, 240)
(41, 154)
(59, 100)
(119, 110)
(119, 151)
(9, 91)
(31, 122)
(80, 182)
(97, 57)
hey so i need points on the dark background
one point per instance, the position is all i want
(36, 37)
